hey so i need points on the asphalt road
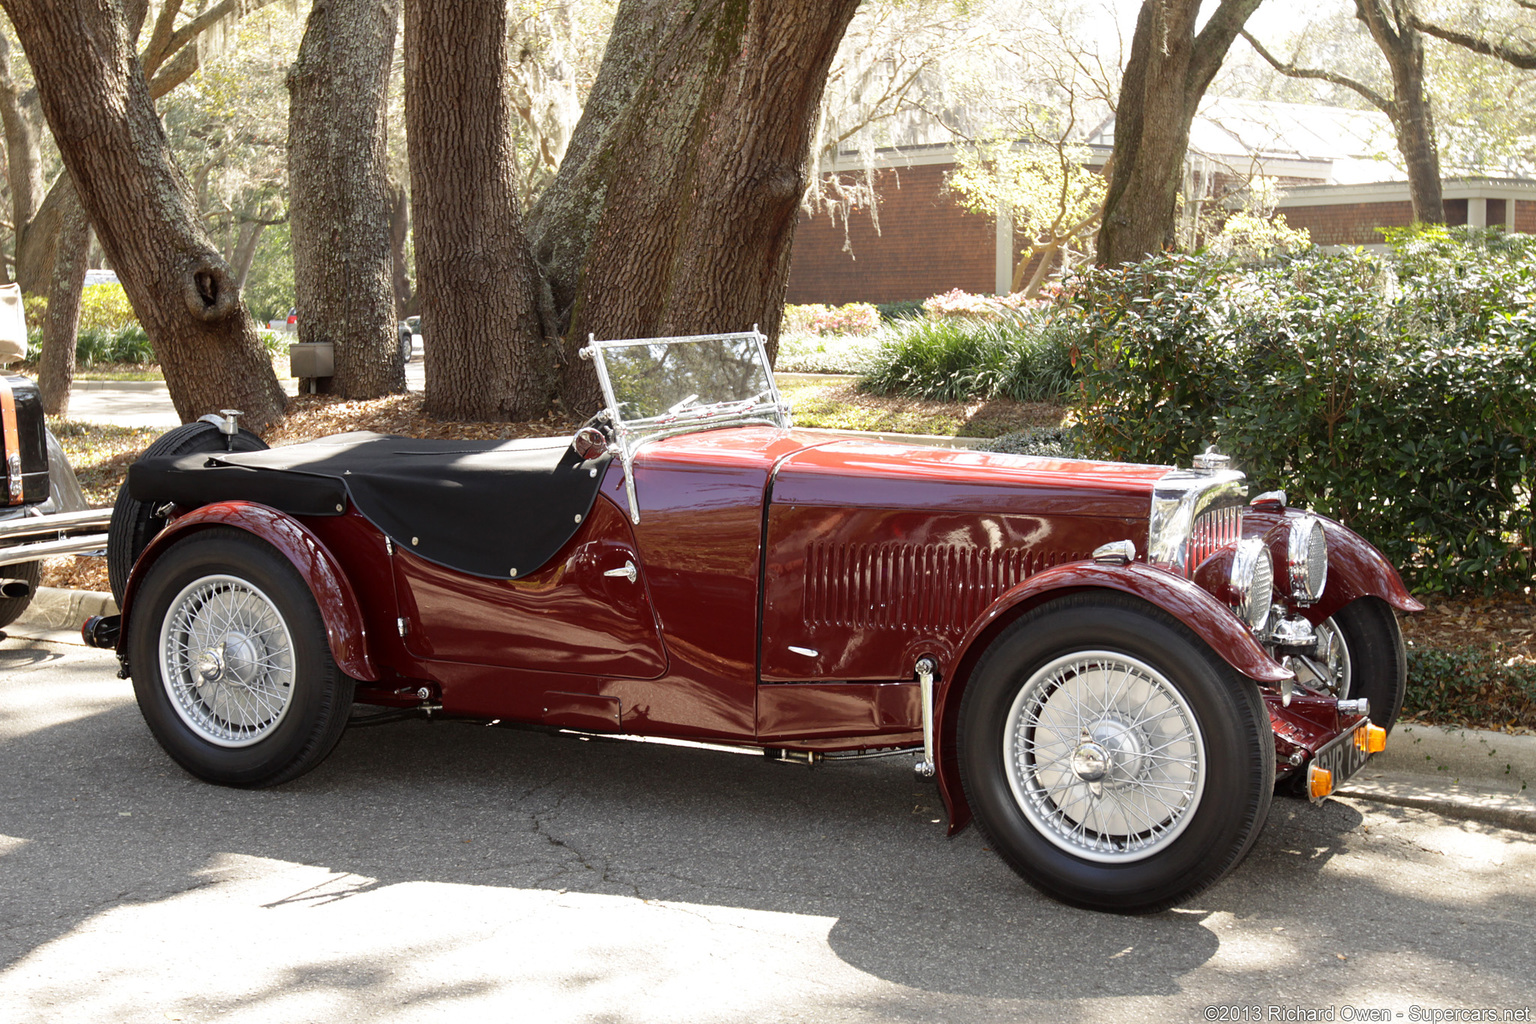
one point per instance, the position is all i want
(453, 872)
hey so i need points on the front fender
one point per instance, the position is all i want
(1210, 620)
(343, 617)
(1356, 569)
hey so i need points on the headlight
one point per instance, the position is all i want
(1307, 558)
(1253, 582)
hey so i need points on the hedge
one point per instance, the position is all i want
(1394, 393)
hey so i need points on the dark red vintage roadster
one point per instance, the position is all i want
(1109, 667)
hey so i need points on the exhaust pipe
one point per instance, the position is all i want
(101, 631)
(15, 588)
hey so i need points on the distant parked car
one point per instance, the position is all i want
(42, 509)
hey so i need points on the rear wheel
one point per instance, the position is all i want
(231, 666)
(1111, 758)
(135, 523)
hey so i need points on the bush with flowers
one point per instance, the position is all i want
(855, 318)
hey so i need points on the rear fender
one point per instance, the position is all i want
(343, 617)
(1209, 619)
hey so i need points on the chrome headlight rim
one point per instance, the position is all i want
(1307, 559)
(1253, 582)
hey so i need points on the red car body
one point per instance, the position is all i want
(788, 590)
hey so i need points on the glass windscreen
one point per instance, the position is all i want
(666, 381)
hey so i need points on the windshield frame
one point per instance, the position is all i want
(766, 408)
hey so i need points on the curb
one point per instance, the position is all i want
(55, 614)
(1468, 774)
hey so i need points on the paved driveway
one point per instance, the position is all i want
(455, 872)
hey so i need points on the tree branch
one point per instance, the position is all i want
(1213, 41)
(1524, 59)
(1373, 97)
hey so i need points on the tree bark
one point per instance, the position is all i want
(56, 372)
(99, 108)
(23, 151)
(675, 208)
(339, 194)
(488, 358)
(399, 238)
(1169, 69)
(1391, 25)
(1396, 34)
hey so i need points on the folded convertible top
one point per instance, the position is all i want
(498, 509)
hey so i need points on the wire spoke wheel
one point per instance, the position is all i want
(1111, 757)
(227, 660)
(231, 663)
(1104, 756)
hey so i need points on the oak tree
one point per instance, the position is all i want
(340, 196)
(1169, 68)
(99, 106)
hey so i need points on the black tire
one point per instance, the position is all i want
(406, 343)
(230, 662)
(134, 523)
(1167, 721)
(1378, 664)
(30, 573)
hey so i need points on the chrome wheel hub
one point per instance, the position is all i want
(1328, 668)
(227, 661)
(1104, 756)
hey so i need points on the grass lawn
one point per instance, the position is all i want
(837, 404)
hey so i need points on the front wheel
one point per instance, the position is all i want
(1111, 758)
(230, 662)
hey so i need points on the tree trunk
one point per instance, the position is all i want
(244, 254)
(57, 370)
(23, 151)
(339, 196)
(99, 108)
(675, 208)
(1169, 69)
(399, 237)
(1392, 27)
(488, 358)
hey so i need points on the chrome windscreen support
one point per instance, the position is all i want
(925, 669)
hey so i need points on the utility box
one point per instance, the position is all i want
(312, 359)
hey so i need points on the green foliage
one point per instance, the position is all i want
(1396, 395)
(1049, 442)
(957, 358)
(890, 312)
(1470, 688)
(106, 307)
(269, 286)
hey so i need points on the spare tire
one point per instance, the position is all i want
(135, 523)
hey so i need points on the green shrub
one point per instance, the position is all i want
(1050, 442)
(1470, 688)
(1397, 395)
(890, 312)
(106, 306)
(958, 358)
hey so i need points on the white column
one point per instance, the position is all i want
(1003, 282)
(1477, 213)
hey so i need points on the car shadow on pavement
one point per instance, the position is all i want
(99, 817)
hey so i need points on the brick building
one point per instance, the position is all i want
(1328, 159)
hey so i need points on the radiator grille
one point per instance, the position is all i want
(934, 587)
(1213, 530)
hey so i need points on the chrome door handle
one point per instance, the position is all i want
(629, 572)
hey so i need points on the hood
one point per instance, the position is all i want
(871, 474)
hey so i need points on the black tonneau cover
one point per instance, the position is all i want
(497, 509)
